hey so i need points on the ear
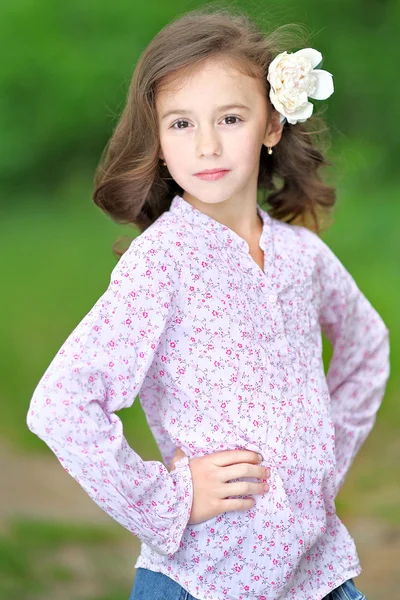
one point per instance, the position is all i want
(273, 132)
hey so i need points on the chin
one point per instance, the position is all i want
(208, 196)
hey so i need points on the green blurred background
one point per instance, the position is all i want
(65, 72)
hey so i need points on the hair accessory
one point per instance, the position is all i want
(269, 149)
(293, 78)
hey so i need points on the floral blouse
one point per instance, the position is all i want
(224, 355)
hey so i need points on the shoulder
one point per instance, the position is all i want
(297, 234)
(302, 239)
(327, 268)
(151, 256)
(155, 244)
(298, 243)
(308, 253)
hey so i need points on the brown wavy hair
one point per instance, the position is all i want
(132, 185)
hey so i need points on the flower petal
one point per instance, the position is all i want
(276, 60)
(324, 85)
(300, 115)
(277, 105)
(275, 102)
(314, 56)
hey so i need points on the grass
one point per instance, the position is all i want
(40, 560)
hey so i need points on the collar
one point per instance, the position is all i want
(284, 261)
(225, 236)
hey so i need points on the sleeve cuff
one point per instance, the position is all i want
(181, 477)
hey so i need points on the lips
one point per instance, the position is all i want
(212, 174)
(207, 171)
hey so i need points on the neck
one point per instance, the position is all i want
(242, 219)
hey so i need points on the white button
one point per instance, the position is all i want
(272, 298)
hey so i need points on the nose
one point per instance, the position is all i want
(207, 142)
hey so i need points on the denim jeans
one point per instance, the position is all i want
(150, 585)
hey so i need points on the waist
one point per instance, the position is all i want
(251, 555)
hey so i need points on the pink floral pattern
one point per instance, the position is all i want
(224, 356)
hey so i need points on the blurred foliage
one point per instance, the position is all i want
(68, 67)
(67, 73)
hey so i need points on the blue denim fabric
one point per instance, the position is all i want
(150, 585)
(346, 591)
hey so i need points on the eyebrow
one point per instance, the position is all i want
(178, 111)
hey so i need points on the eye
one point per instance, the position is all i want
(232, 117)
(179, 123)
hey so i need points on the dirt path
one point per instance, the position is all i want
(37, 487)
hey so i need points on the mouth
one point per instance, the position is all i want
(212, 174)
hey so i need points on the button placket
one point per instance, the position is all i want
(276, 314)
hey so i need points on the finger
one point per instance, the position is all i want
(232, 457)
(243, 470)
(237, 504)
(244, 488)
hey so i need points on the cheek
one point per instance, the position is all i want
(177, 157)
(247, 151)
(175, 150)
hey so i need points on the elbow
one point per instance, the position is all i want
(379, 349)
(37, 419)
(382, 326)
(30, 422)
(379, 358)
(385, 331)
(35, 424)
(32, 419)
(386, 344)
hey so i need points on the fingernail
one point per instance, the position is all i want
(260, 458)
(266, 488)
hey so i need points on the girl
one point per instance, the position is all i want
(214, 314)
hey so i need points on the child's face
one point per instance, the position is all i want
(200, 135)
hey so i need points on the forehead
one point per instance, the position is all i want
(213, 78)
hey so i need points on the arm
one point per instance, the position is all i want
(100, 369)
(166, 446)
(359, 368)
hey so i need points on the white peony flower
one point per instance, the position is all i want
(293, 79)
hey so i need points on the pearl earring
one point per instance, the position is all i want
(269, 150)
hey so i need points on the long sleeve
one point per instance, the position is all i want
(359, 367)
(100, 369)
(166, 446)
